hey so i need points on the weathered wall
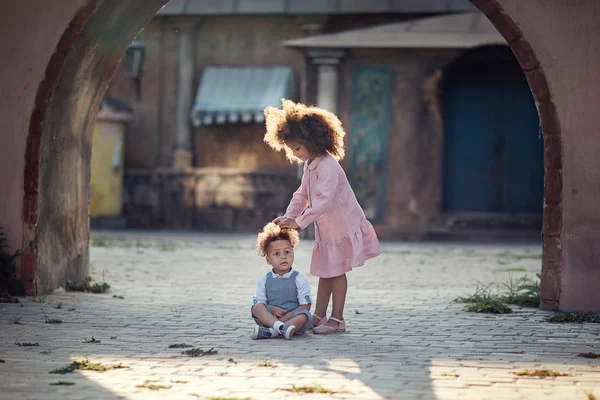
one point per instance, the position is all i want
(234, 40)
(415, 145)
(65, 149)
(564, 37)
(26, 44)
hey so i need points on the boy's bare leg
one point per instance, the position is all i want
(323, 295)
(339, 286)
(260, 311)
(298, 321)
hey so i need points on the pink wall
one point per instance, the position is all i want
(26, 42)
(564, 36)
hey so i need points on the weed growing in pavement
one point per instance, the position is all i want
(180, 346)
(576, 317)
(180, 381)
(17, 319)
(26, 344)
(164, 245)
(72, 308)
(40, 299)
(52, 320)
(88, 286)
(231, 360)
(92, 340)
(62, 383)
(309, 389)
(522, 292)
(199, 352)
(177, 312)
(153, 386)
(118, 297)
(266, 363)
(85, 365)
(58, 306)
(46, 352)
(540, 373)
(588, 355)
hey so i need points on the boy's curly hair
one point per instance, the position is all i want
(272, 232)
(318, 129)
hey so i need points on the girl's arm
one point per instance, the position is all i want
(298, 203)
(325, 188)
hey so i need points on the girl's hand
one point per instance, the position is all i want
(289, 223)
(277, 311)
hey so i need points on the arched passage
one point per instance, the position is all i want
(55, 206)
(493, 150)
(58, 155)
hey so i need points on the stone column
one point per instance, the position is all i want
(183, 153)
(327, 62)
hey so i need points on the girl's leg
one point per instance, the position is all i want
(260, 311)
(339, 287)
(323, 295)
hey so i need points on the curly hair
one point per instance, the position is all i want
(272, 232)
(318, 129)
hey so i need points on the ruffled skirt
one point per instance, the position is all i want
(336, 257)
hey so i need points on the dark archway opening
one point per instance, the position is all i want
(493, 149)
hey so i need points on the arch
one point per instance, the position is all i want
(550, 124)
(58, 152)
(76, 79)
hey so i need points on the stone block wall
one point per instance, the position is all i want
(207, 199)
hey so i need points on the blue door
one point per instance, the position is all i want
(493, 148)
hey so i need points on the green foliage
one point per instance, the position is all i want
(88, 286)
(8, 268)
(577, 317)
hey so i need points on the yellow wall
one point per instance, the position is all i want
(106, 197)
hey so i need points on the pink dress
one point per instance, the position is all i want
(344, 238)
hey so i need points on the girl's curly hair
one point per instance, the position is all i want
(318, 129)
(272, 232)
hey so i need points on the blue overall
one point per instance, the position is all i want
(282, 292)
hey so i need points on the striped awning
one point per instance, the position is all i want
(240, 94)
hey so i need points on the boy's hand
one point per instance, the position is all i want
(277, 311)
(278, 220)
(288, 223)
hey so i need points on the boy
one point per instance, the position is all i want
(282, 300)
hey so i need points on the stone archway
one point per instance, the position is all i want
(58, 152)
(55, 204)
(551, 236)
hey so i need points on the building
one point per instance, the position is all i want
(208, 74)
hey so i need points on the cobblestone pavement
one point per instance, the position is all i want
(406, 339)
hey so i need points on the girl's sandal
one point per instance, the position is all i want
(326, 329)
(320, 320)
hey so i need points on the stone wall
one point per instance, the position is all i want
(209, 199)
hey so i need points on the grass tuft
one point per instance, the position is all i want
(589, 355)
(266, 363)
(576, 317)
(86, 365)
(180, 346)
(92, 340)
(199, 352)
(62, 383)
(540, 373)
(522, 292)
(52, 320)
(153, 386)
(26, 344)
(309, 389)
(88, 286)
(17, 319)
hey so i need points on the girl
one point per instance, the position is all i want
(344, 239)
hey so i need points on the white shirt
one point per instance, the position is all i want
(302, 288)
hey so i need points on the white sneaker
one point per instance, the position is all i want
(287, 331)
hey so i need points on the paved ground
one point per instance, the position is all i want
(406, 339)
